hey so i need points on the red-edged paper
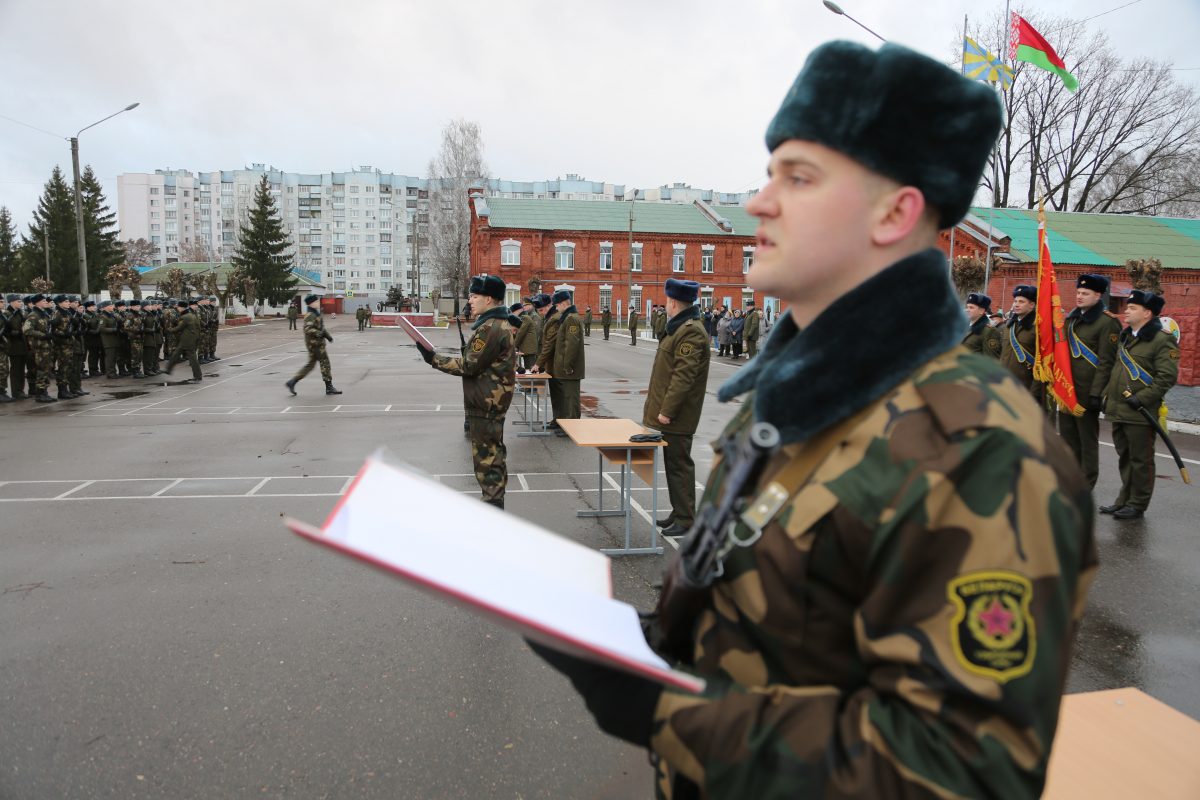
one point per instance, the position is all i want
(413, 333)
(496, 565)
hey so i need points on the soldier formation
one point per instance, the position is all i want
(64, 339)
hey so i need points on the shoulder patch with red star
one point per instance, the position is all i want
(992, 632)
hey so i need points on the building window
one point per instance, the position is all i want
(564, 255)
(677, 253)
(606, 256)
(153, 190)
(706, 261)
(706, 297)
(605, 298)
(747, 298)
(635, 298)
(747, 257)
(510, 253)
(635, 257)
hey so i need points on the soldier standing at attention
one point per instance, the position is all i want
(633, 326)
(61, 329)
(545, 359)
(897, 600)
(293, 313)
(108, 325)
(4, 398)
(567, 365)
(169, 317)
(36, 331)
(678, 381)
(315, 337)
(94, 350)
(488, 370)
(78, 349)
(587, 322)
(658, 322)
(606, 321)
(980, 337)
(1019, 340)
(752, 330)
(360, 314)
(150, 340)
(12, 320)
(1093, 339)
(186, 335)
(526, 337)
(133, 334)
(1147, 367)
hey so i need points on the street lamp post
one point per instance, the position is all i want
(836, 9)
(83, 280)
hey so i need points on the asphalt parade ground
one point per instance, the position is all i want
(163, 635)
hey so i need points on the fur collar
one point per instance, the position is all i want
(495, 312)
(691, 312)
(807, 380)
(1087, 317)
(568, 310)
(1145, 334)
(977, 327)
(1025, 321)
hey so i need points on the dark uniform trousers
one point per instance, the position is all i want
(681, 477)
(1135, 459)
(528, 360)
(490, 457)
(1082, 435)
(564, 398)
(606, 329)
(16, 374)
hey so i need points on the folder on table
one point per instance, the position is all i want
(504, 568)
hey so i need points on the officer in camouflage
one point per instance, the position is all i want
(36, 332)
(675, 398)
(1092, 336)
(1146, 369)
(315, 337)
(488, 370)
(62, 336)
(981, 337)
(900, 593)
(133, 335)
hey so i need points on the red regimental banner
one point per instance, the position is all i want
(1052, 365)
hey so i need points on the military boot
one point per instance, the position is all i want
(65, 394)
(4, 398)
(44, 397)
(497, 503)
(291, 386)
(331, 389)
(20, 396)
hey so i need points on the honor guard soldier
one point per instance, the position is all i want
(150, 340)
(587, 322)
(315, 337)
(1147, 367)
(18, 353)
(526, 337)
(753, 329)
(108, 326)
(981, 337)
(94, 348)
(133, 335)
(1019, 339)
(62, 335)
(606, 321)
(38, 338)
(185, 332)
(678, 382)
(633, 326)
(78, 348)
(567, 363)
(887, 609)
(488, 370)
(1092, 335)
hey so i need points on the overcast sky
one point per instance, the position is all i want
(634, 92)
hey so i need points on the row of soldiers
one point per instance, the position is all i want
(1115, 369)
(67, 339)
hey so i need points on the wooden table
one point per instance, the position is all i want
(1123, 744)
(610, 437)
(534, 386)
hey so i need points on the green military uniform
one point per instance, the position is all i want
(545, 359)
(752, 331)
(18, 352)
(587, 322)
(78, 353)
(658, 324)
(982, 338)
(4, 398)
(186, 335)
(606, 322)
(488, 370)
(108, 326)
(1018, 345)
(370, 317)
(633, 327)
(36, 332)
(170, 317)
(151, 342)
(91, 339)
(62, 335)
(132, 327)
(567, 367)
(293, 313)
(1147, 366)
(315, 337)
(526, 338)
(678, 382)
(360, 314)
(1092, 336)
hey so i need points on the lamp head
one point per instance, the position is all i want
(834, 7)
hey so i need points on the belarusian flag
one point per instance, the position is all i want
(1052, 356)
(1026, 44)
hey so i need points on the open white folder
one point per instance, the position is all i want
(498, 565)
(413, 333)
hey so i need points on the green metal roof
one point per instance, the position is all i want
(1100, 239)
(223, 269)
(603, 215)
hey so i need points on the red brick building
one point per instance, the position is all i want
(584, 246)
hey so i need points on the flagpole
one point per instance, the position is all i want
(987, 266)
(962, 70)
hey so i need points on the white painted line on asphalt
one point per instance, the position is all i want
(70, 492)
(389, 407)
(346, 485)
(257, 486)
(524, 483)
(169, 486)
(337, 408)
(1167, 456)
(227, 380)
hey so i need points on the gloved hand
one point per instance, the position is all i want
(328, 337)
(622, 704)
(1095, 403)
(1133, 402)
(425, 352)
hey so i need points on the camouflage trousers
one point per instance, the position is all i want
(133, 357)
(489, 456)
(41, 355)
(64, 364)
(318, 356)
(3, 373)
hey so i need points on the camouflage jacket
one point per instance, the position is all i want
(903, 625)
(1092, 336)
(62, 326)
(1018, 346)
(982, 338)
(568, 364)
(1147, 366)
(314, 332)
(36, 328)
(488, 366)
(132, 326)
(679, 377)
(170, 317)
(91, 321)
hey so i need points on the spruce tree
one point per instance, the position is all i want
(99, 231)
(9, 279)
(53, 221)
(262, 250)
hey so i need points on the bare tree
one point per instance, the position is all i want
(139, 252)
(120, 276)
(196, 252)
(457, 167)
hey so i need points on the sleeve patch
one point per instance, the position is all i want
(1174, 354)
(992, 632)
(1112, 337)
(573, 329)
(477, 345)
(686, 349)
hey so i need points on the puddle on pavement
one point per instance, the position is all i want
(235, 365)
(124, 395)
(212, 374)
